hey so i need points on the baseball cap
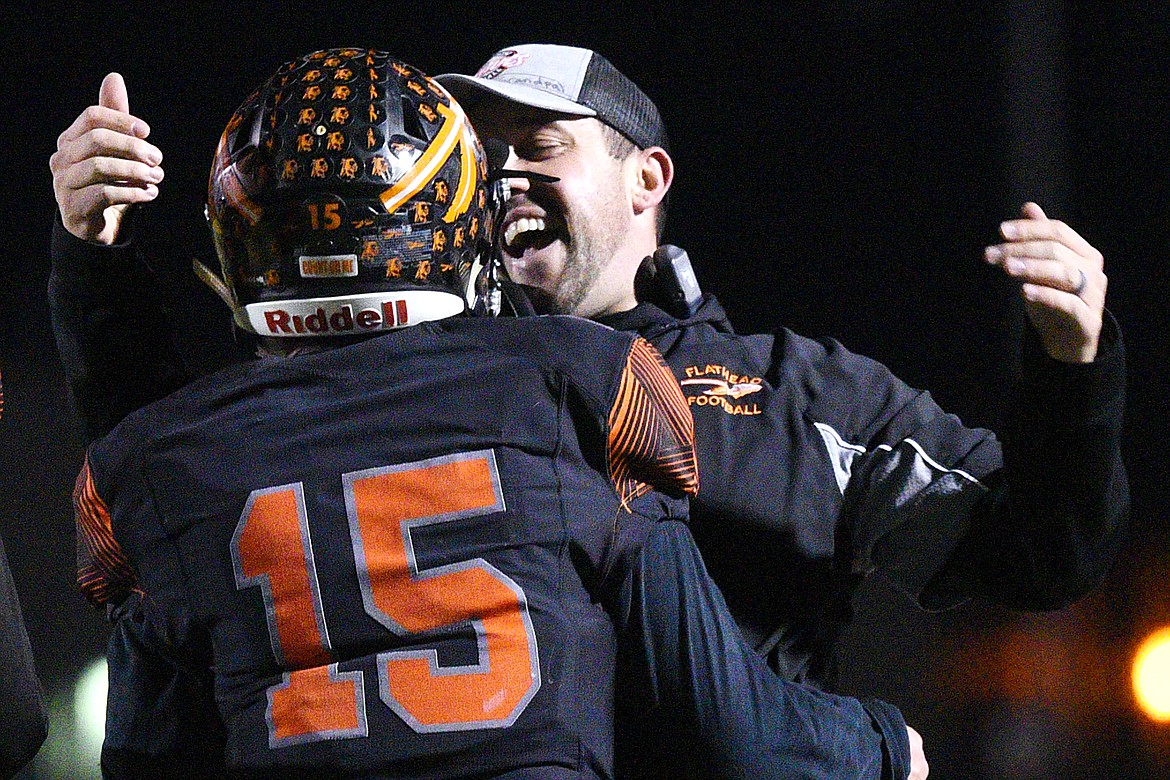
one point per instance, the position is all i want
(566, 79)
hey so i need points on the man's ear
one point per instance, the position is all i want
(655, 172)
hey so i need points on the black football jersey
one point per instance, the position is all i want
(397, 554)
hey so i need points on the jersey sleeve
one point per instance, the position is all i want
(651, 442)
(166, 723)
(104, 575)
(691, 679)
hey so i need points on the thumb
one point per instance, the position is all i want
(1033, 211)
(113, 93)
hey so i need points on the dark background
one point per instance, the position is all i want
(840, 166)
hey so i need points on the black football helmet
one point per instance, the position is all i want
(347, 195)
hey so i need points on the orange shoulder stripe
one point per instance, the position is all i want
(103, 572)
(651, 434)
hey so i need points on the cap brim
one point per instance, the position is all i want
(467, 89)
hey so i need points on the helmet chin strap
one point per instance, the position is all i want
(221, 290)
(212, 280)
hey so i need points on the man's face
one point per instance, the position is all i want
(562, 237)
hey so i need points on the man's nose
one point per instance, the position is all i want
(514, 163)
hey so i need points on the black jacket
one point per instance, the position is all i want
(819, 467)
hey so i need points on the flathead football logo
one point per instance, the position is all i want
(717, 386)
(722, 387)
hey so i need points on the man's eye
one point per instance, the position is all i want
(538, 150)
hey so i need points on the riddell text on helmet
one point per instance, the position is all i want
(391, 314)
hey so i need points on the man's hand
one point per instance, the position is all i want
(1063, 282)
(102, 166)
(918, 768)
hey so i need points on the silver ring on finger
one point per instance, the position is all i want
(1082, 284)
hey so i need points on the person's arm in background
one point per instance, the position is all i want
(116, 347)
(25, 722)
(706, 697)
(713, 707)
(1066, 482)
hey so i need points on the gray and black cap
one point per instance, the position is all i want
(568, 80)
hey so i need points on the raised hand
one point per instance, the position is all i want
(1063, 282)
(103, 165)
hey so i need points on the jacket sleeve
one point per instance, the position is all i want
(1032, 520)
(703, 687)
(1055, 516)
(112, 333)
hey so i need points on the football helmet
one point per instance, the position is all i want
(347, 195)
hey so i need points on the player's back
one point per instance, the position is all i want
(397, 548)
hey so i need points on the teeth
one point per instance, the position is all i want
(522, 225)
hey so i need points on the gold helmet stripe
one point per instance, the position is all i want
(426, 166)
(467, 178)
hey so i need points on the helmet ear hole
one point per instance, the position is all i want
(248, 135)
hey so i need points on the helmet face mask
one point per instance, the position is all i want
(347, 195)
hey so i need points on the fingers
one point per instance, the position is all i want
(102, 165)
(1032, 210)
(1062, 280)
(104, 143)
(89, 170)
(1037, 227)
(113, 93)
(919, 768)
(1053, 298)
(1048, 253)
(100, 117)
(1047, 263)
(96, 198)
(106, 130)
(112, 112)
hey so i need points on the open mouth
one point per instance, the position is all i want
(527, 233)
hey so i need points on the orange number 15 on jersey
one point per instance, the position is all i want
(272, 549)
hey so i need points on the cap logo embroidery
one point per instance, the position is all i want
(542, 83)
(508, 58)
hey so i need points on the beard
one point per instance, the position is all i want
(583, 267)
(595, 233)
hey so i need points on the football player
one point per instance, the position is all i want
(409, 542)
